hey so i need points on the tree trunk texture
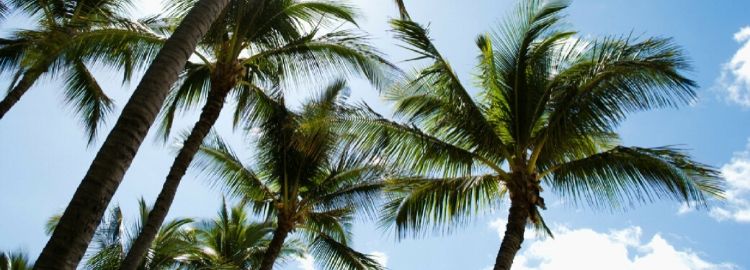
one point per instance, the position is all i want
(28, 80)
(514, 230)
(72, 235)
(277, 243)
(524, 190)
(208, 117)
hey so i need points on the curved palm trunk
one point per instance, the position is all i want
(514, 230)
(72, 235)
(28, 79)
(277, 242)
(190, 147)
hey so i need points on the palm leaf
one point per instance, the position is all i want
(624, 176)
(190, 92)
(422, 205)
(330, 254)
(219, 164)
(87, 98)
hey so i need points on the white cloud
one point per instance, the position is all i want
(737, 176)
(685, 208)
(585, 249)
(735, 76)
(306, 262)
(499, 226)
(380, 257)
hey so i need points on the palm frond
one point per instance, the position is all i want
(219, 163)
(330, 254)
(334, 223)
(125, 50)
(521, 75)
(87, 98)
(190, 92)
(422, 205)
(12, 51)
(52, 222)
(361, 186)
(613, 78)
(405, 147)
(624, 176)
(311, 58)
(4, 10)
(435, 92)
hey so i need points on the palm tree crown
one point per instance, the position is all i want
(232, 241)
(113, 237)
(546, 113)
(272, 42)
(70, 36)
(252, 45)
(302, 177)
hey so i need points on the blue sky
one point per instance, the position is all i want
(43, 153)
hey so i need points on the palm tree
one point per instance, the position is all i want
(68, 243)
(72, 35)
(14, 261)
(545, 115)
(302, 177)
(113, 238)
(255, 42)
(231, 241)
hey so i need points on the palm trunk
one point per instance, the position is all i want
(190, 147)
(28, 79)
(73, 233)
(277, 242)
(514, 230)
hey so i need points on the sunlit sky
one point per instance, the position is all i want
(43, 153)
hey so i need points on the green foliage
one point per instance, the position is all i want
(70, 37)
(548, 106)
(231, 241)
(14, 261)
(273, 44)
(301, 173)
(113, 237)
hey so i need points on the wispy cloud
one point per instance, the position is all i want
(735, 76)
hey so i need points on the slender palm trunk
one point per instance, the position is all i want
(190, 147)
(514, 230)
(73, 233)
(277, 242)
(28, 80)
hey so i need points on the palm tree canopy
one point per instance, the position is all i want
(70, 36)
(260, 44)
(113, 238)
(301, 172)
(232, 241)
(548, 107)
